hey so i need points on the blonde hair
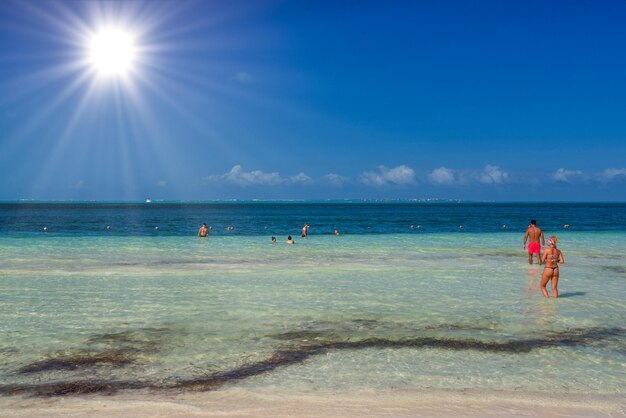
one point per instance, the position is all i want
(553, 240)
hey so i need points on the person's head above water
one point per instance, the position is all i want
(552, 240)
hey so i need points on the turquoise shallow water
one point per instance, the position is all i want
(395, 310)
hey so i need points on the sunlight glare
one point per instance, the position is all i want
(112, 52)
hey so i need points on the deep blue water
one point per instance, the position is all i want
(282, 218)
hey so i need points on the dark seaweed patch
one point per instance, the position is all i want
(299, 354)
(605, 256)
(106, 350)
(619, 270)
(302, 335)
(329, 331)
(324, 330)
(498, 253)
(459, 327)
(367, 323)
(79, 361)
(147, 340)
(571, 294)
(77, 387)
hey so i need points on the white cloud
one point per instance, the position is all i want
(242, 77)
(566, 175)
(299, 178)
(236, 175)
(492, 174)
(336, 180)
(442, 175)
(384, 176)
(612, 173)
(161, 183)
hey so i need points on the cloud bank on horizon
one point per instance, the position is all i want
(406, 176)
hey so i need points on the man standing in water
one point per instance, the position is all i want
(533, 235)
(203, 231)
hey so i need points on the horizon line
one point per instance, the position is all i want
(253, 200)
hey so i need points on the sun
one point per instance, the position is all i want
(112, 52)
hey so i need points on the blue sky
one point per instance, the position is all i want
(502, 100)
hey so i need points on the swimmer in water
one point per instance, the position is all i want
(203, 231)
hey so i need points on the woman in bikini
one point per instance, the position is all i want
(552, 257)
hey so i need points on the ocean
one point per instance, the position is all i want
(104, 297)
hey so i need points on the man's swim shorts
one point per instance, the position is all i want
(534, 248)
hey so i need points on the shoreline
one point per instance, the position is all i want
(238, 402)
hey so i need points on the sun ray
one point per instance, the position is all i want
(37, 119)
(181, 111)
(65, 136)
(85, 91)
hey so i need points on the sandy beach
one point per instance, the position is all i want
(234, 402)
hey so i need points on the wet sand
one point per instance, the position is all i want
(236, 402)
